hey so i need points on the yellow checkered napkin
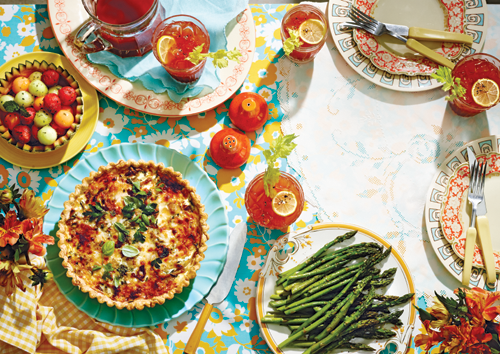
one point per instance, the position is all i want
(46, 322)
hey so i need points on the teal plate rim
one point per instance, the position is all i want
(211, 266)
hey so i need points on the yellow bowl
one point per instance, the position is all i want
(77, 136)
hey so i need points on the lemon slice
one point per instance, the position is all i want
(312, 31)
(485, 92)
(284, 203)
(164, 47)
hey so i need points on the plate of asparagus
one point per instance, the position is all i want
(335, 288)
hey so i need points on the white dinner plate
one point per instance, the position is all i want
(476, 14)
(66, 17)
(444, 244)
(293, 248)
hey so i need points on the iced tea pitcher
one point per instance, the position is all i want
(122, 27)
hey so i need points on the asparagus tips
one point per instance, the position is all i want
(330, 299)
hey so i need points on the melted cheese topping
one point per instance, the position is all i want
(167, 235)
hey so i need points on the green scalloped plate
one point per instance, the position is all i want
(211, 266)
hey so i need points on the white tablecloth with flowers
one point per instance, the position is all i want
(232, 327)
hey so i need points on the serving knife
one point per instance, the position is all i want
(483, 232)
(221, 289)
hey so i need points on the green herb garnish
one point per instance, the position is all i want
(279, 148)
(122, 231)
(108, 268)
(122, 269)
(117, 281)
(96, 267)
(292, 42)
(156, 263)
(108, 248)
(96, 212)
(138, 237)
(129, 251)
(150, 208)
(443, 75)
(12, 106)
(220, 57)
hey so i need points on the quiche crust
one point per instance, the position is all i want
(170, 249)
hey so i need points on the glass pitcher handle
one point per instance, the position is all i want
(97, 45)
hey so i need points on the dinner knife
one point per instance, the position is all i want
(483, 232)
(426, 34)
(219, 292)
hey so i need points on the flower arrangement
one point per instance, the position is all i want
(466, 325)
(21, 234)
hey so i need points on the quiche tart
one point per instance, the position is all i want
(133, 234)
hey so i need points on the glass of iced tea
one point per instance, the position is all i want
(280, 211)
(173, 40)
(479, 74)
(312, 26)
(122, 27)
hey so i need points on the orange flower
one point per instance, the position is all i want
(9, 233)
(461, 339)
(33, 232)
(479, 302)
(429, 340)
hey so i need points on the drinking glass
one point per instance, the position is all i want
(259, 205)
(292, 20)
(188, 33)
(470, 69)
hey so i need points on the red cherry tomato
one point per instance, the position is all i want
(248, 111)
(230, 148)
(11, 120)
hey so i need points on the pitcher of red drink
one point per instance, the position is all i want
(122, 27)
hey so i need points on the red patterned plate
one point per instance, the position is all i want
(456, 210)
(390, 54)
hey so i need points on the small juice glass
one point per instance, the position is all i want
(188, 33)
(470, 69)
(292, 20)
(259, 205)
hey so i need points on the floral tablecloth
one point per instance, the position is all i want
(232, 327)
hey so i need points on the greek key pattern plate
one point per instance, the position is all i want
(476, 14)
(435, 197)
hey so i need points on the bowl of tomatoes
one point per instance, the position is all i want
(41, 106)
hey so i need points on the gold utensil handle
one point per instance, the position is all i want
(483, 231)
(470, 243)
(429, 53)
(425, 34)
(194, 340)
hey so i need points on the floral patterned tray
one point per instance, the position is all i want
(456, 210)
(378, 49)
(293, 248)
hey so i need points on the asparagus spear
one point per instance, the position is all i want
(340, 328)
(316, 255)
(325, 282)
(303, 306)
(343, 307)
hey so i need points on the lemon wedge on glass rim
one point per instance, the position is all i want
(164, 47)
(312, 31)
(284, 203)
(485, 92)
